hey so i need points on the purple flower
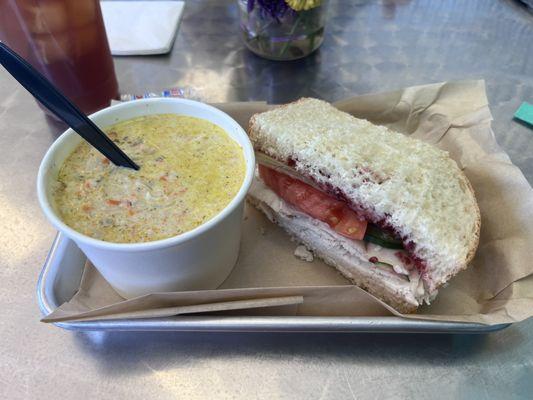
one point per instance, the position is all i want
(272, 8)
(250, 5)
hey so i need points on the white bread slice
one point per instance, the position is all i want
(405, 184)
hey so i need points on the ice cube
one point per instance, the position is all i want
(53, 48)
(82, 13)
(47, 17)
(86, 39)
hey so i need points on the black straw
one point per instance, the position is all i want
(43, 90)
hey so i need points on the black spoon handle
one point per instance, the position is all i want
(56, 102)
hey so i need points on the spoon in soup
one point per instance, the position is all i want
(48, 95)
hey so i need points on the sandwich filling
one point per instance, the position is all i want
(374, 248)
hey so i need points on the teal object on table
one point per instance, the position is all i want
(525, 113)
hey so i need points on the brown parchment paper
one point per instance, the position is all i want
(269, 280)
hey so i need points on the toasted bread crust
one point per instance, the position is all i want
(475, 240)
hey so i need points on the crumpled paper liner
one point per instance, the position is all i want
(269, 280)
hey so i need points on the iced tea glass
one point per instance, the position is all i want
(66, 41)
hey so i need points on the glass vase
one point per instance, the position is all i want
(278, 32)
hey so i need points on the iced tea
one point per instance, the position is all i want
(66, 41)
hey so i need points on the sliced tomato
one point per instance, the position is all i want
(315, 203)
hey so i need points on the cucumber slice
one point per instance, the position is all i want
(375, 235)
(382, 243)
(383, 264)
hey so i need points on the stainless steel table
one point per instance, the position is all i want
(370, 46)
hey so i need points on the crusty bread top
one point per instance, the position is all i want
(415, 187)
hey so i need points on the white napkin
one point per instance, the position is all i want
(141, 27)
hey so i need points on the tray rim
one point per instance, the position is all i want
(387, 324)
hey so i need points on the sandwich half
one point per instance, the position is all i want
(395, 215)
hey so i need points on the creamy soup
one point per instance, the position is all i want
(190, 170)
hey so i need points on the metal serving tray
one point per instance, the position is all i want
(61, 276)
